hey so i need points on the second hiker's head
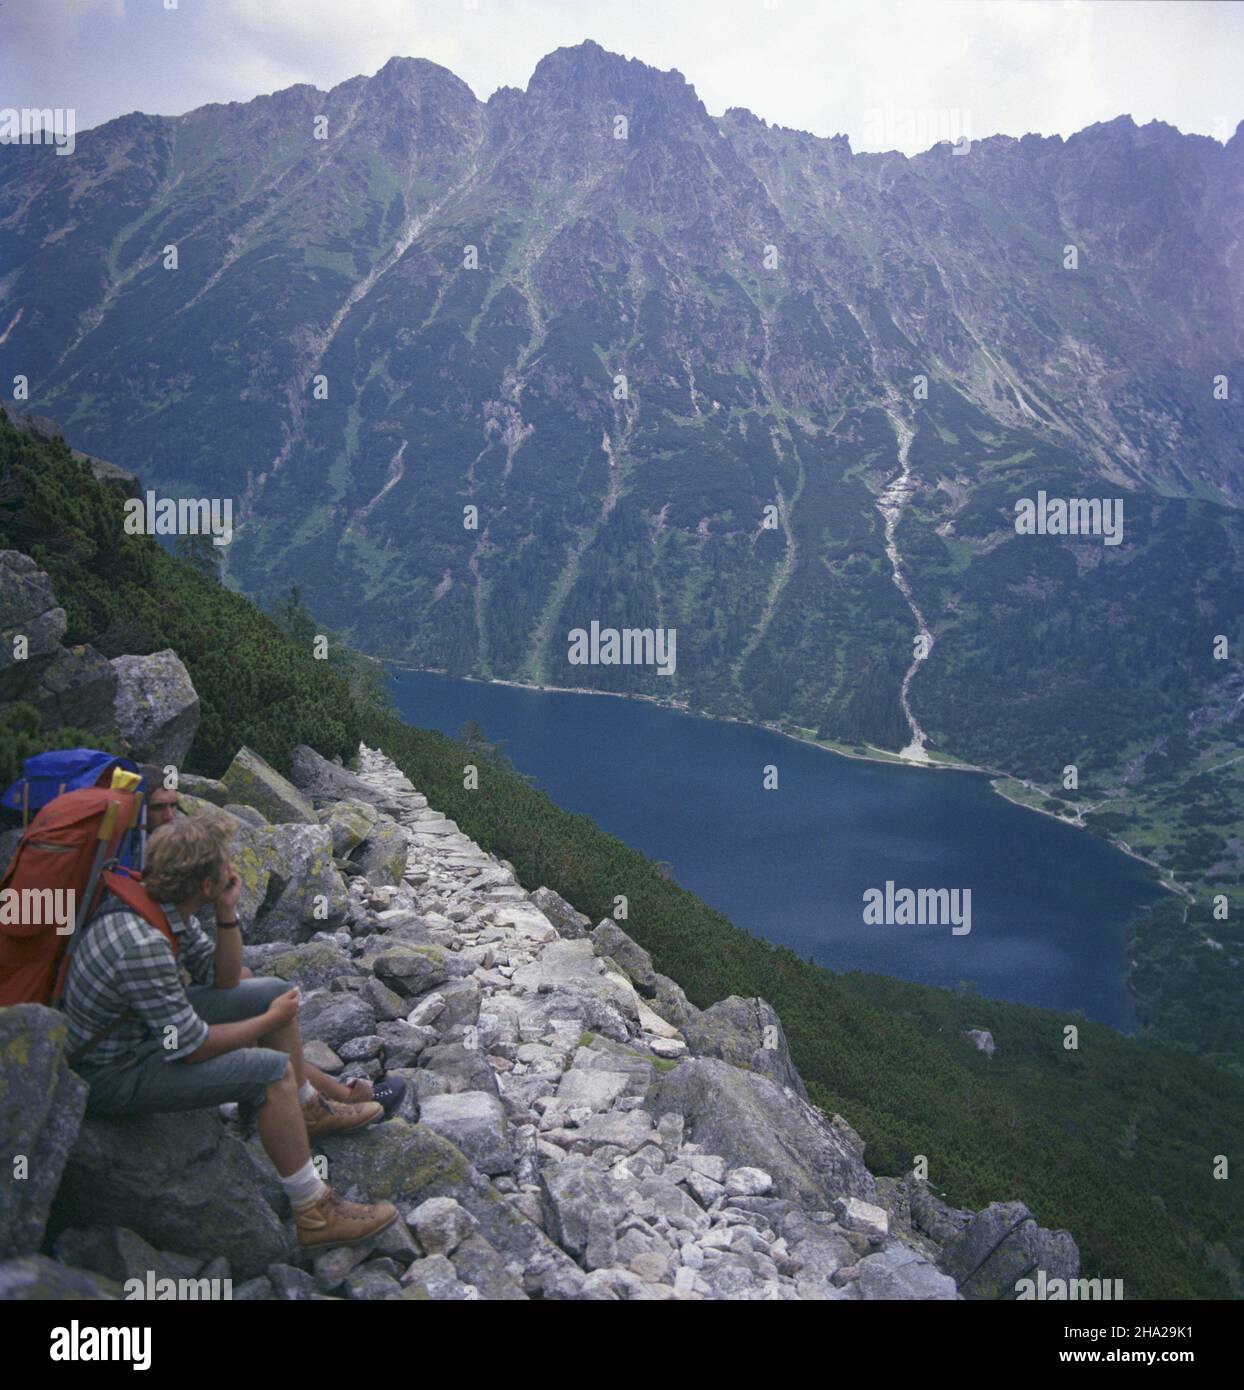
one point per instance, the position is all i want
(188, 860)
(161, 808)
(161, 801)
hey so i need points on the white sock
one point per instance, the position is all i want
(307, 1092)
(302, 1186)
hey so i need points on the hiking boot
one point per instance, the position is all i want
(330, 1220)
(333, 1117)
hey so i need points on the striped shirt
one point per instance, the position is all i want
(123, 965)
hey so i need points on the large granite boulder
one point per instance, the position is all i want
(326, 782)
(753, 1122)
(121, 1254)
(918, 1213)
(454, 1068)
(745, 1033)
(77, 689)
(41, 1107)
(570, 923)
(407, 1164)
(1003, 1244)
(382, 856)
(671, 1003)
(313, 965)
(573, 968)
(899, 1273)
(410, 968)
(335, 1018)
(28, 609)
(572, 1192)
(37, 1278)
(179, 1182)
(349, 823)
(190, 805)
(474, 1121)
(629, 956)
(290, 885)
(156, 706)
(205, 788)
(253, 782)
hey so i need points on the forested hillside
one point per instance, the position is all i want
(125, 594)
(1115, 1140)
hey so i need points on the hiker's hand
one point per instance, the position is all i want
(284, 1008)
(226, 902)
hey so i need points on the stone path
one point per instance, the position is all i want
(526, 1049)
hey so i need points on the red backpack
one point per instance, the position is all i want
(69, 847)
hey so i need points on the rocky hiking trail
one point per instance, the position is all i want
(573, 1127)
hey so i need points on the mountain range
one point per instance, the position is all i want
(477, 374)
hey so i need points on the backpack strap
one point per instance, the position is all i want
(127, 887)
(78, 1053)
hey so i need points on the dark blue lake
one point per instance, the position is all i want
(1049, 906)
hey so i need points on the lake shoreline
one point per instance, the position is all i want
(592, 760)
(995, 775)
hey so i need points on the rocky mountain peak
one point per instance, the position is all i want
(418, 77)
(587, 75)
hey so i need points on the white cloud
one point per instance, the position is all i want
(280, 42)
(52, 21)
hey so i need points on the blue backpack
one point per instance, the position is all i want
(49, 775)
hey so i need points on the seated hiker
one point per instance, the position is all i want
(161, 811)
(145, 1043)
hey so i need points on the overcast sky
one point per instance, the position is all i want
(888, 73)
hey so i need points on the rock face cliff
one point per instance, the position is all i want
(659, 353)
(573, 1127)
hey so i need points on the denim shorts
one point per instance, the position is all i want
(149, 1083)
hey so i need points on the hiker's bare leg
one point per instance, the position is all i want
(323, 1083)
(282, 1130)
(321, 1080)
(288, 1039)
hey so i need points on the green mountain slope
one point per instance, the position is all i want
(1116, 1140)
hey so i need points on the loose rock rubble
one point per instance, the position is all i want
(573, 1127)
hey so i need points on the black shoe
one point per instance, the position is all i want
(389, 1093)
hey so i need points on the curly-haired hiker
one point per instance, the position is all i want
(145, 1043)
